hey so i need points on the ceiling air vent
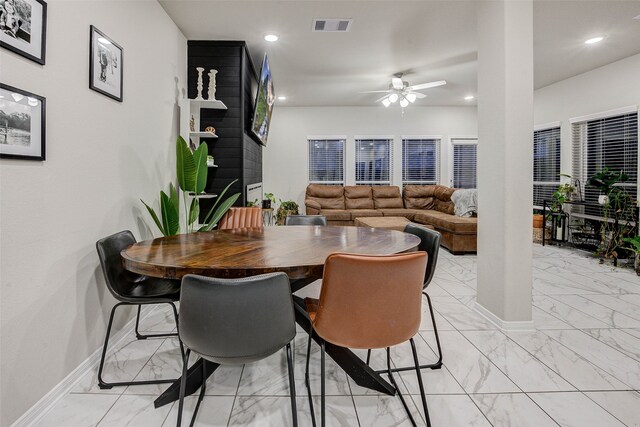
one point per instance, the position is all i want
(332, 25)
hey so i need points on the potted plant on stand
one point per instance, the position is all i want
(634, 245)
(286, 208)
(269, 201)
(558, 216)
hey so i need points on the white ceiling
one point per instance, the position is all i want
(427, 40)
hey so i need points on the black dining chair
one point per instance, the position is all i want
(305, 220)
(132, 289)
(235, 321)
(429, 243)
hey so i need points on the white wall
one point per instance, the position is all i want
(102, 156)
(285, 156)
(606, 88)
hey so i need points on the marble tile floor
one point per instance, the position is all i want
(580, 367)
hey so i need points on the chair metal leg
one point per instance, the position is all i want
(292, 386)
(368, 356)
(418, 373)
(307, 381)
(322, 388)
(438, 364)
(105, 385)
(203, 388)
(175, 316)
(393, 381)
(144, 337)
(183, 387)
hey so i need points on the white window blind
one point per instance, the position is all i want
(546, 164)
(373, 161)
(420, 161)
(465, 156)
(326, 161)
(610, 142)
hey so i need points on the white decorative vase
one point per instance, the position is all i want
(212, 84)
(200, 84)
(603, 200)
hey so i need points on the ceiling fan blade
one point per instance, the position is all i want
(397, 83)
(419, 95)
(374, 91)
(380, 99)
(427, 85)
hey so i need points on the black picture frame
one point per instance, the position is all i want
(18, 40)
(103, 59)
(6, 103)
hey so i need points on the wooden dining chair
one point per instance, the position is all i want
(368, 302)
(236, 321)
(249, 217)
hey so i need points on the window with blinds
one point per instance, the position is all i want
(420, 161)
(326, 161)
(607, 142)
(465, 158)
(373, 161)
(546, 164)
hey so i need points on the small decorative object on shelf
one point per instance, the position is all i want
(192, 124)
(210, 161)
(200, 84)
(192, 146)
(212, 84)
(210, 129)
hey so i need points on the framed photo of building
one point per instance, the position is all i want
(23, 28)
(105, 65)
(22, 124)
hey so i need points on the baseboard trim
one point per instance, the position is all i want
(42, 406)
(504, 325)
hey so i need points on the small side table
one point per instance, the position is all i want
(267, 216)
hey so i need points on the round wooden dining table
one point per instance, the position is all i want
(298, 251)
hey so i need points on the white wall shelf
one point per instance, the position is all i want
(204, 195)
(203, 135)
(207, 104)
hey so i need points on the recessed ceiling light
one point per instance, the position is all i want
(282, 98)
(594, 40)
(271, 38)
(469, 97)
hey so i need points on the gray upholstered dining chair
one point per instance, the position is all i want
(305, 220)
(132, 289)
(429, 243)
(236, 321)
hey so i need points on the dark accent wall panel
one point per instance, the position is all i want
(236, 153)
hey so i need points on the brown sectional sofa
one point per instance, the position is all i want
(424, 204)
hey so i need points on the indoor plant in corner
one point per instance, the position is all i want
(634, 245)
(286, 208)
(192, 171)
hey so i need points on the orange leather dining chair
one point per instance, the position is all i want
(368, 302)
(241, 218)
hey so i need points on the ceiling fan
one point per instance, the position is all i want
(399, 90)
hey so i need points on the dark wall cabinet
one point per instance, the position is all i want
(237, 153)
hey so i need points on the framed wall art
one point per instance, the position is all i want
(105, 65)
(23, 28)
(22, 124)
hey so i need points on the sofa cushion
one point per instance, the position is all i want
(328, 196)
(364, 213)
(358, 197)
(447, 222)
(387, 196)
(443, 201)
(336, 214)
(419, 196)
(405, 213)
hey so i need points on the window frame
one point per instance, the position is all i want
(343, 139)
(461, 140)
(541, 128)
(438, 161)
(390, 139)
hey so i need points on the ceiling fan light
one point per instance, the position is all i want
(404, 102)
(397, 83)
(393, 97)
(386, 102)
(411, 97)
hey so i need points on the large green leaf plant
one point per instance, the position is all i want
(192, 172)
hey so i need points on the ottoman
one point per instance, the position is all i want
(387, 222)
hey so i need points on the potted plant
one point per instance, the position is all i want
(191, 169)
(268, 201)
(286, 208)
(558, 216)
(538, 220)
(634, 245)
(605, 181)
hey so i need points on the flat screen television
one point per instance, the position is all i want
(263, 106)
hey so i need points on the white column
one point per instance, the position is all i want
(505, 133)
